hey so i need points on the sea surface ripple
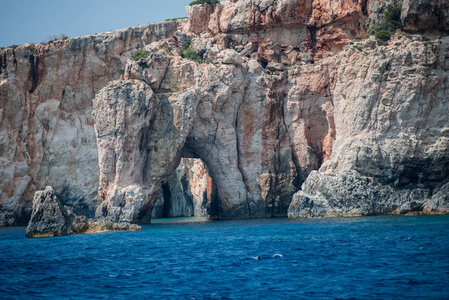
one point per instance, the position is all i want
(383, 257)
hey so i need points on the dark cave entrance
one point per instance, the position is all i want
(166, 196)
(188, 192)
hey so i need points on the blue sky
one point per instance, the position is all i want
(32, 21)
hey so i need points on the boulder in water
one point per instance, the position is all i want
(51, 218)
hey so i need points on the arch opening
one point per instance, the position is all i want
(188, 192)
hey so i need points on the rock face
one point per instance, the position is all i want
(51, 218)
(351, 194)
(391, 152)
(46, 129)
(210, 120)
(282, 94)
(419, 14)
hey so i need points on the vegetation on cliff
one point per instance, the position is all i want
(175, 19)
(53, 38)
(189, 53)
(140, 54)
(210, 2)
(391, 22)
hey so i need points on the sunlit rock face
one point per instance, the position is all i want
(213, 119)
(279, 94)
(47, 135)
(391, 152)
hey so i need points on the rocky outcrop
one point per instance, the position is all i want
(391, 152)
(51, 218)
(281, 31)
(351, 194)
(279, 97)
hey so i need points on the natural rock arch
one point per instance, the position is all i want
(229, 115)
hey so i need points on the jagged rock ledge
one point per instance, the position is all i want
(350, 194)
(51, 218)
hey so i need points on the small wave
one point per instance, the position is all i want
(120, 275)
(259, 257)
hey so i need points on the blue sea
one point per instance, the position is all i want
(382, 257)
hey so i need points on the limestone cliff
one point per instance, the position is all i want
(278, 101)
(391, 152)
(46, 130)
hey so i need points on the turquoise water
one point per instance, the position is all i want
(384, 257)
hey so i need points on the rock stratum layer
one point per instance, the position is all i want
(286, 115)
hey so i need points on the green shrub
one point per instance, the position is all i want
(31, 47)
(392, 17)
(138, 54)
(53, 38)
(190, 54)
(208, 61)
(391, 22)
(186, 44)
(383, 35)
(373, 29)
(181, 18)
(210, 2)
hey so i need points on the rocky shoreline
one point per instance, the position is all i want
(290, 112)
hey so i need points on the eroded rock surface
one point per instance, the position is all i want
(223, 114)
(391, 152)
(419, 14)
(51, 218)
(46, 129)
